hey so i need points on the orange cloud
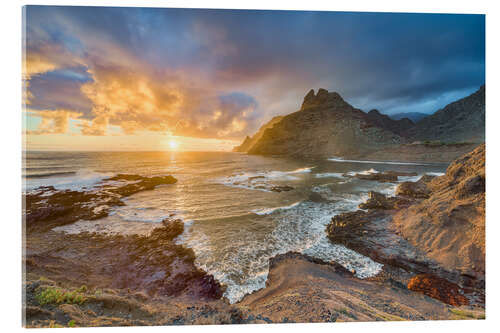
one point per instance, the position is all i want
(128, 92)
(53, 121)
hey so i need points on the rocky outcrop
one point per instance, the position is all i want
(418, 189)
(245, 145)
(460, 121)
(450, 224)
(281, 188)
(47, 207)
(379, 201)
(438, 288)
(119, 280)
(325, 126)
(250, 141)
(301, 289)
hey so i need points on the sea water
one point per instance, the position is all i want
(234, 221)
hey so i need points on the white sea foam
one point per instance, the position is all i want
(329, 175)
(267, 211)
(438, 174)
(339, 159)
(264, 180)
(300, 227)
(409, 178)
(81, 179)
(364, 172)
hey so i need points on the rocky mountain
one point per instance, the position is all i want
(399, 127)
(250, 141)
(326, 125)
(413, 116)
(460, 121)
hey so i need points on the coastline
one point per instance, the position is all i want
(131, 280)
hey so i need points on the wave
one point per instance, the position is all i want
(77, 180)
(329, 175)
(298, 227)
(409, 178)
(268, 211)
(338, 159)
(364, 172)
(438, 174)
(50, 174)
(262, 181)
(300, 170)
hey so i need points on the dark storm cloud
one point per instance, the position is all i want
(183, 67)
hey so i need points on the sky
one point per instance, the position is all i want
(98, 78)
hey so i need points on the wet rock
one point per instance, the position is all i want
(47, 207)
(379, 177)
(377, 200)
(142, 184)
(50, 208)
(418, 189)
(383, 177)
(347, 226)
(438, 288)
(281, 188)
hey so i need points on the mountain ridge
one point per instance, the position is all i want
(326, 125)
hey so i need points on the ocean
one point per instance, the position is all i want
(233, 219)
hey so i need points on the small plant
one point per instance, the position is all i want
(52, 295)
(71, 323)
(82, 289)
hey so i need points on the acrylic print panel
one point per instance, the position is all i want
(196, 166)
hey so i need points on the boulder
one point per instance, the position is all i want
(438, 288)
(284, 188)
(419, 189)
(346, 226)
(377, 200)
(379, 177)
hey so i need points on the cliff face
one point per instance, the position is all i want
(399, 127)
(326, 126)
(460, 121)
(250, 141)
(450, 225)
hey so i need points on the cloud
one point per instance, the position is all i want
(53, 121)
(221, 73)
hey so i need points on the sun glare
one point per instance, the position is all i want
(173, 144)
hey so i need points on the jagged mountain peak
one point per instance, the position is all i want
(322, 98)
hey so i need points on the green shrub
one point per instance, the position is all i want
(53, 295)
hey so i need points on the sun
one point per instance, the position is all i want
(173, 144)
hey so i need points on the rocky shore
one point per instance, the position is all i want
(96, 279)
(429, 238)
(416, 282)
